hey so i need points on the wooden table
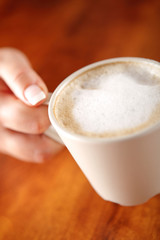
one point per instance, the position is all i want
(54, 200)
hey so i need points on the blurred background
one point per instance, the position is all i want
(60, 36)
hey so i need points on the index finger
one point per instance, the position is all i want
(25, 83)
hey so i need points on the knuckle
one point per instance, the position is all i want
(20, 75)
(38, 126)
(41, 155)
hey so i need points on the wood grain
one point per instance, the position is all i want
(54, 200)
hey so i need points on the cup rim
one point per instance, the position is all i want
(83, 138)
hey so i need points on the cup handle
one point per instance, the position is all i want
(51, 132)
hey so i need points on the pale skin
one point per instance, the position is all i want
(23, 122)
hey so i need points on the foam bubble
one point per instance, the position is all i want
(110, 100)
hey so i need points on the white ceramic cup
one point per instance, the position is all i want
(125, 170)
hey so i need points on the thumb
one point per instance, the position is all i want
(25, 83)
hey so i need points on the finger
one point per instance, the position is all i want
(24, 82)
(30, 148)
(4, 88)
(17, 116)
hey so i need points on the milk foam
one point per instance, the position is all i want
(116, 99)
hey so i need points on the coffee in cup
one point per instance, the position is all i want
(111, 100)
(108, 116)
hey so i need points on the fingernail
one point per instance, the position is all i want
(34, 94)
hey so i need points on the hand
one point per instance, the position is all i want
(23, 118)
